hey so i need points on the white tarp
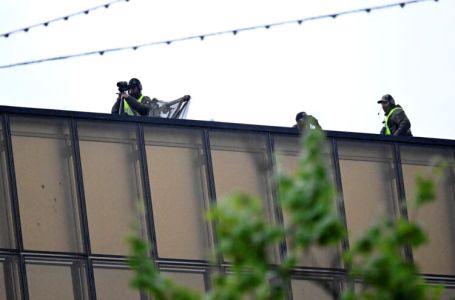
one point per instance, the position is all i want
(176, 109)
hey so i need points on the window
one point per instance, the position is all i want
(287, 152)
(369, 184)
(177, 173)
(45, 185)
(112, 184)
(112, 282)
(437, 217)
(56, 280)
(241, 164)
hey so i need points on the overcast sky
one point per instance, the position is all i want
(335, 69)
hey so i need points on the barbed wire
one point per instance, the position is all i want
(231, 31)
(64, 18)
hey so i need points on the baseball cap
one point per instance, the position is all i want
(386, 98)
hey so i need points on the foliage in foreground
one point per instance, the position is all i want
(246, 240)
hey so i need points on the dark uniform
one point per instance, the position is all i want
(396, 122)
(302, 118)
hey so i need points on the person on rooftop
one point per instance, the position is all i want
(396, 122)
(302, 118)
(132, 102)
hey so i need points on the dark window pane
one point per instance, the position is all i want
(112, 282)
(287, 152)
(314, 289)
(177, 174)
(369, 184)
(112, 183)
(437, 216)
(45, 184)
(241, 164)
(191, 280)
(56, 280)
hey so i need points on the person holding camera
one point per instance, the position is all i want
(131, 102)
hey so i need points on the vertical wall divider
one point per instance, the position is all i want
(9, 271)
(401, 193)
(146, 191)
(339, 191)
(80, 187)
(77, 279)
(400, 181)
(23, 276)
(206, 276)
(91, 279)
(451, 170)
(15, 204)
(82, 206)
(212, 193)
(8, 275)
(275, 201)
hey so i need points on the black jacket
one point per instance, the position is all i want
(398, 123)
(313, 123)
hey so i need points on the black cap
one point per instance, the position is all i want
(134, 82)
(386, 98)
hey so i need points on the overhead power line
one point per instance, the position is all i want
(64, 18)
(232, 31)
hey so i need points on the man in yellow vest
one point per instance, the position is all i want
(133, 103)
(396, 122)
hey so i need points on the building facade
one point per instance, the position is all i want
(71, 184)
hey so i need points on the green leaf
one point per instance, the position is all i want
(425, 190)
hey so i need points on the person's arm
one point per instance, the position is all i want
(183, 99)
(316, 123)
(141, 108)
(116, 107)
(403, 123)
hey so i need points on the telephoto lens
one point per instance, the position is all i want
(122, 86)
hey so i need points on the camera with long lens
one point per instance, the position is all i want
(122, 86)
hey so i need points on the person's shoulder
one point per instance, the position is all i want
(398, 109)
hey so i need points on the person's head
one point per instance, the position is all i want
(300, 116)
(387, 102)
(134, 87)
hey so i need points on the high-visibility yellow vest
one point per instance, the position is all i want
(127, 109)
(387, 129)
